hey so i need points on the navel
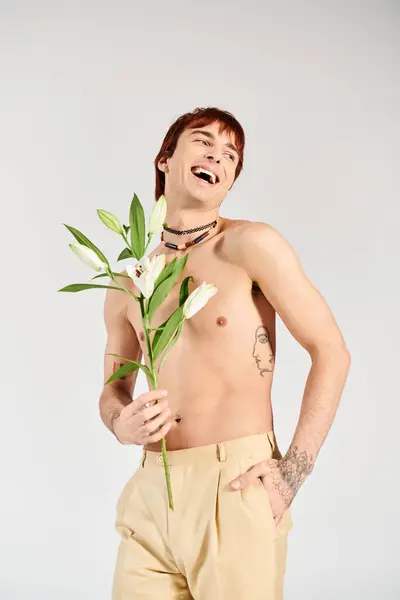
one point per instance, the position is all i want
(222, 321)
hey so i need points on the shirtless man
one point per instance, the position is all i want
(220, 542)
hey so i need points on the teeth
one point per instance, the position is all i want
(210, 173)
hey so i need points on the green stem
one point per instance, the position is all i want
(122, 286)
(126, 240)
(168, 344)
(144, 320)
(155, 385)
(141, 301)
(164, 455)
(149, 235)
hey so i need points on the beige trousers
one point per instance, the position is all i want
(218, 543)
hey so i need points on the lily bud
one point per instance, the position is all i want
(198, 299)
(157, 217)
(88, 256)
(110, 221)
(145, 272)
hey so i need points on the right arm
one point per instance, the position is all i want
(137, 421)
(121, 339)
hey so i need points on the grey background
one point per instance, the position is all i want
(88, 92)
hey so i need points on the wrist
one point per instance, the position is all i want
(113, 423)
(295, 467)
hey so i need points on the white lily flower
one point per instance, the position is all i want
(88, 256)
(145, 272)
(198, 298)
(157, 217)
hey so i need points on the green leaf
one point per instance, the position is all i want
(184, 291)
(183, 295)
(163, 289)
(78, 287)
(171, 345)
(82, 239)
(122, 372)
(144, 368)
(176, 263)
(110, 220)
(126, 253)
(158, 333)
(138, 227)
(167, 332)
(107, 275)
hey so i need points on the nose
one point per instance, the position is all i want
(210, 156)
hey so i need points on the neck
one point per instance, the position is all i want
(189, 219)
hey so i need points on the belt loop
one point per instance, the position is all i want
(144, 454)
(275, 452)
(271, 439)
(221, 452)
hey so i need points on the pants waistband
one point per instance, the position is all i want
(218, 451)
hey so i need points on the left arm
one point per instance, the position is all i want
(270, 260)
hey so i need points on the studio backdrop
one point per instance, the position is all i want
(89, 90)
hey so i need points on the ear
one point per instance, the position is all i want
(163, 164)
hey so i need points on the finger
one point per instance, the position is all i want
(154, 410)
(158, 435)
(151, 426)
(138, 403)
(250, 476)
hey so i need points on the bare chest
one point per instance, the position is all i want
(233, 315)
(222, 363)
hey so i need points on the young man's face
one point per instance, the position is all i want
(205, 147)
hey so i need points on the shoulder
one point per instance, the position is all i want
(244, 227)
(123, 278)
(246, 236)
(258, 247)
(116, 299)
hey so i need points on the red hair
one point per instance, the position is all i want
(200, 117)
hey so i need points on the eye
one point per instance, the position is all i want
(207, 144)
(263, 339)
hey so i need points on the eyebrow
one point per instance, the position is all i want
(212, 137)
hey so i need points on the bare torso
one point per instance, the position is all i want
(219, 373)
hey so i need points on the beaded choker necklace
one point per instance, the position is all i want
(186, 231)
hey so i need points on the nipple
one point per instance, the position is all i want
(222, 320)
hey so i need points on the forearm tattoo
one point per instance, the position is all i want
(262, 350)
(292, 469)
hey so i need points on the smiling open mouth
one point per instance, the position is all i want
(205, 175)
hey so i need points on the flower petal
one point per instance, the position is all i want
(88, 256)
(158, 215)
(198, 299)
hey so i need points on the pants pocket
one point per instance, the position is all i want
(286, 523)
(265, 493)
(255, 498)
